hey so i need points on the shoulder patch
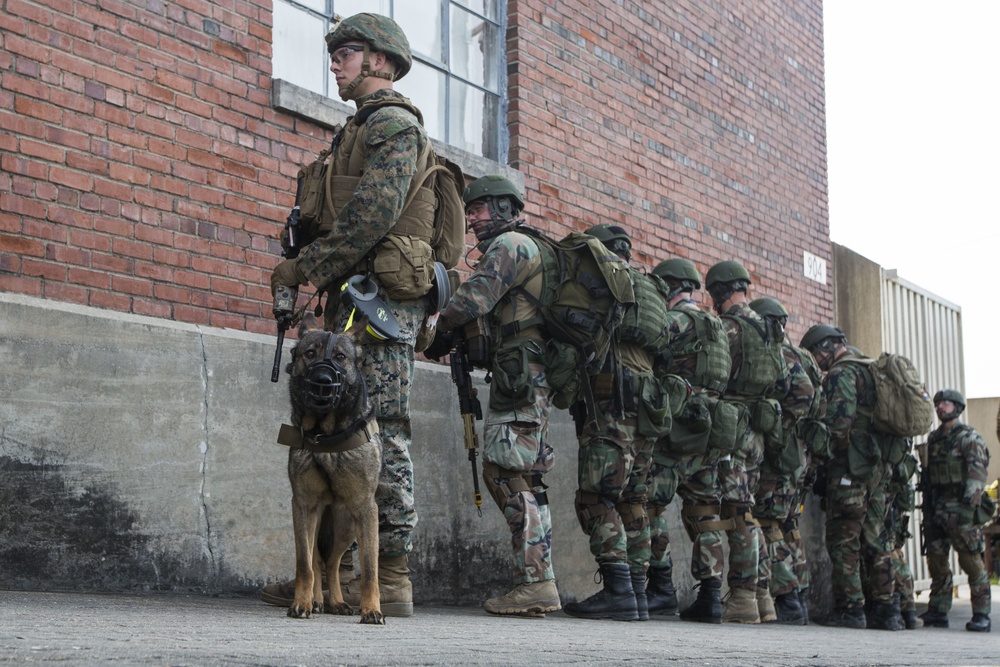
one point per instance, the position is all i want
(387, 122)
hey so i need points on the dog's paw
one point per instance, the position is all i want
(301, 611)
(373, 618)
(341, 608)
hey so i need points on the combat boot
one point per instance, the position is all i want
(394, 587)
(660, 591)
(741, 607)
(533, 600)
(641, 601)
(615, 601)
(979, 623)
(803, 595)
(909, 617)
(765, 606)
(843, 617)
(707, 607)
(934, 619)
(883, 617)
(789, 610)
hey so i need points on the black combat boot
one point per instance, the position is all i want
(934, 619)
(979, 623)
(616, 600)
(909, 617)
(789, 610)
(844, 617)
(660, 591)
(641, 603)
(803, 595)
(883, 617)
(707, 607)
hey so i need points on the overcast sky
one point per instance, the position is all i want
(913, 134)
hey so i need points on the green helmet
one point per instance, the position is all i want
(820, 332)
(608, 233)
(493, 186)
(382, 34)
(679, 269)
(768, 307)
(726, 272)
(952, 395)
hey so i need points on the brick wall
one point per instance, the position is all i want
(142, 168)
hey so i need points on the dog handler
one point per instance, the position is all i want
(374, 161)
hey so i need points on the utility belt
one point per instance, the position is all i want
(771, 528)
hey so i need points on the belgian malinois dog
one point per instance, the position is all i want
(335, 463)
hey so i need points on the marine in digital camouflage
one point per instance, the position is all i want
(957, 464)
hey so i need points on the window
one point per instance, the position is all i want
(458, 74)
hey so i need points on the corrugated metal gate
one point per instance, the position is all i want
(928, 330)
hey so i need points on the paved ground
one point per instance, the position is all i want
(83, 629)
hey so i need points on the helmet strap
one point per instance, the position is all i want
(366, 71)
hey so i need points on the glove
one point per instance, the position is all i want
(287, 274)
(440, 346)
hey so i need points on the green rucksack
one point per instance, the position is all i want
(903, 408)
(585, 291)
(763, 366)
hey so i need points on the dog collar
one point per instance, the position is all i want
(344, 441)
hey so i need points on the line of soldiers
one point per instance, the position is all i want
(717, 408)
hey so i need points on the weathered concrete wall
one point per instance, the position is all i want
(981, 414)
(857, 299)
(138, 454)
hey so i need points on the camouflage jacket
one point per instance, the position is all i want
(797, 402)
(849, 389)
(687, 351)
(394, 142)
(735, 333)
(957, 463)
(511, 260)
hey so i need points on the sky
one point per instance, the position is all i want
(913, 141)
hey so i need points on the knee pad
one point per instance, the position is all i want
(592, 507)
(703, 519)
(632, 509)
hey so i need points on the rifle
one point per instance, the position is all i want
(926, 509)
(284, 297)
(469, 406)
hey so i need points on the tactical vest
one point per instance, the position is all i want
(645, 324)
(763, 363)
(943, 468)
(710, 348)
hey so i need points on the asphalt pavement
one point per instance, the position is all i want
(172, 629)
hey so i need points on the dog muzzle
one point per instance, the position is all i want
(324, 382)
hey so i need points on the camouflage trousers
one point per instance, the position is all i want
(613, 467)
(388, 372)
(856, 530)
(695, 479)
(903, 580)
(739, 476)
(516, 456)
(949, 530)
(793, 538)
(775, 500)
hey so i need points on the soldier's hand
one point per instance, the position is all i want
(440, 346)
(287, 274)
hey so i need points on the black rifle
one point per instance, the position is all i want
(284, 297)
(469, 406)
(926, 509)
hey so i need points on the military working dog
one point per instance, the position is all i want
(335, 458)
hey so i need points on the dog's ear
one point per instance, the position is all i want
(357, 328)
(309, 323)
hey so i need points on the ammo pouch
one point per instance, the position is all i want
(729, 423)
(653, 413)
(984, 512)
(862, 454)
(678, 391)
(816, 435)
(562, 370)
(947, 472)
(478, 343)
(765, 418)
(312, 185)
(783, 459)
(893, 448)
(404, 266)
(692, 427)
(510, 387)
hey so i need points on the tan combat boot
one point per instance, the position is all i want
(394, 587)
(765, 606)
(741, 607)
(533, 600)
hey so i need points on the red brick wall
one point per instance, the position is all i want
(698, 126)
(143, 170)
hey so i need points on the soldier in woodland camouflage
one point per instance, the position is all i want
(902, 503)
(375, 158)
(686, 465)
(855, 493)
(516, 449)
(956, 472)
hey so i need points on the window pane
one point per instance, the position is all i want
(318, 6)
(472, 121)
(294, 30)
(425, 87)
(487, 8)
(473, 48)
(421, 21)
(351, 7)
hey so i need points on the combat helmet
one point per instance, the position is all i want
(819, 333)
(952, 395)
(379, 33)
(729, 271)
(766, 306)
(680, 270)
(503, 200)
(614, 239)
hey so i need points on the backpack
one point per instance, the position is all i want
(763, 368)
(585, 291)
(903, 407)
